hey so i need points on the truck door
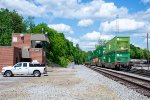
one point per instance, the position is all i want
(24, 68)
(17, 68)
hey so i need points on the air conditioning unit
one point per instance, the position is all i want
(21, 35)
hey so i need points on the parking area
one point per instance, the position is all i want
(8, 82)
(74, 83)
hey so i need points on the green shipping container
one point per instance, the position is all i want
(118, 57)
(118, 44)
(100, 51)
(93, 55)
(88, 59)
(96, 53)
(102, 59)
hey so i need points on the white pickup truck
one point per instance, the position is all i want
(24, 68)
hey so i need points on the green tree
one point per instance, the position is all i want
(17, 22)
(61, 50)
(138, 53)
(29, 24)
(9, 22)
(101, 42)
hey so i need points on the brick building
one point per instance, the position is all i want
(25, 47)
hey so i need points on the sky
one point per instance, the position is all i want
(84, 22)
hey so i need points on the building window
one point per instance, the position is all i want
(14, 39)
(38, 46)
(22, 38)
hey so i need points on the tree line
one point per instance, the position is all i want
(60, 50)
(138, 53)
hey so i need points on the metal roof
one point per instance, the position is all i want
(39, 37)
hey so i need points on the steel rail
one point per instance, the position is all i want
(127, 78)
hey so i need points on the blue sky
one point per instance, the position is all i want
(86, 21)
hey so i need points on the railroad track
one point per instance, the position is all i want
(141, 85)
(144, 73)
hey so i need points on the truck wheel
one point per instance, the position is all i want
(8, 74)
(37, 73)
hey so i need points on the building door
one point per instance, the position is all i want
(16, 59)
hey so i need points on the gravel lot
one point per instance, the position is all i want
(79, 83)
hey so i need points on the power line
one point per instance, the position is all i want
(117, 24)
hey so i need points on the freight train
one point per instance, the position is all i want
(114, 54)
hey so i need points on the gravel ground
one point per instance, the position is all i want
(79, 83)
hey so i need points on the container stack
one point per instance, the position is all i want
(115, 52)
(101, 56)
(94, 57)
(118, 50)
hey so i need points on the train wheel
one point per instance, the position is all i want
(129, 68)
(117, 67)
(103, 66)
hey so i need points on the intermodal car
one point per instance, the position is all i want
(114, 54)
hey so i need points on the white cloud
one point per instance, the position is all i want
(146, 1)
(139, 35)
(86, 13)
(90, 40)
(61, 28)
(85, 23)
(83, 44)
(74, 40)
(87, 45)
(94, 36)
(124, 25)
(24, 7)
(70, 9)
(91, 36)
(137, 45)
(109, 10)
(142, 15)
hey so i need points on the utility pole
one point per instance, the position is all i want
(147, 52)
